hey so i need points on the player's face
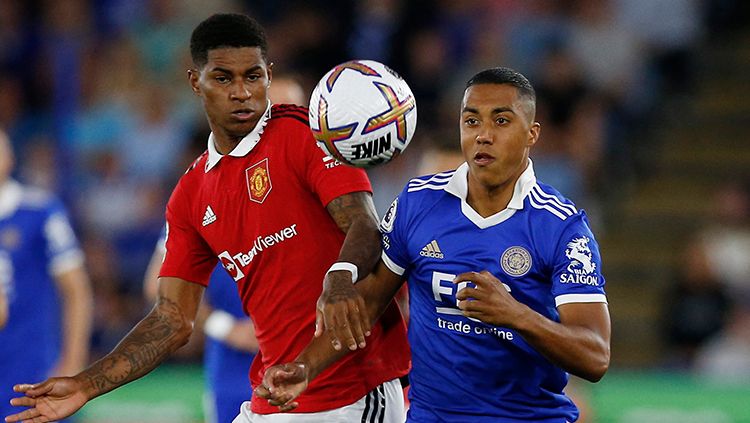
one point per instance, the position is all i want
(497, 131)
(234, 88)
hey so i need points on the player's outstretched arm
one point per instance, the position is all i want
(166, 328)
(284, 383)
(3, 307)
(355, 215)
(579, 344)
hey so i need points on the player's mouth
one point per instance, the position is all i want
(243, 114)
(483, 159)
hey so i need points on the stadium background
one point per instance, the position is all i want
(643, 105)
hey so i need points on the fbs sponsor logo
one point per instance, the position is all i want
(209, 217)
(234, 262)
(432, 250)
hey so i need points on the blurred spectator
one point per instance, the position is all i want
(726, 359)
(727, 239)
(695, 306)
(42, 273)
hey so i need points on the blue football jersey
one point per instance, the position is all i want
(36, 243)
(540, 247)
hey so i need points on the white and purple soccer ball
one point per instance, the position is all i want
(362, 113)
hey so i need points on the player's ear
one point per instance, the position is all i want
(194, 76)
(269, 71)
(534, 132)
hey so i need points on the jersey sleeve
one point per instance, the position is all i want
(63, 251)
(187, 255)
(577, 274)
(325, 176)
(393, 235)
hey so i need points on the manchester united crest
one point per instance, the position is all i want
(258, 181)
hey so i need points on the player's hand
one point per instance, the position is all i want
(490, 301)
(341, 312)
(51, 400)
(282, 384)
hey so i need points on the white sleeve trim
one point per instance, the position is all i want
(66, 261)
(395, 268)
(580, 298)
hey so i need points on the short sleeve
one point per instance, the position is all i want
(393, 236)
(327, 177)
(63, 250)
(187, 255)
(577, 273)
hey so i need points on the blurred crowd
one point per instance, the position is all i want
(94, 96)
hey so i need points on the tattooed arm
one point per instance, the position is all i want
(355, 215)
(165, 329)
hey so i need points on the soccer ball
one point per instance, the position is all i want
(362, 113)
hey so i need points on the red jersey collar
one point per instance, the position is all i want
(244, 147)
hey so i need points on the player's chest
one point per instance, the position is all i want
(249, 204)
(446, 247)
(21, 233)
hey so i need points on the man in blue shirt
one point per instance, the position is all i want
(48, 291)
(504, 275)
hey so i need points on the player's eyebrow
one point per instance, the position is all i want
(495, 111)
(246, 71)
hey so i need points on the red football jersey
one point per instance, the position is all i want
(261, 211)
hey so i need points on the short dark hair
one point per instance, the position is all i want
(503, 75)
(226, 30)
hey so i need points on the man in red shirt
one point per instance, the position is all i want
(284, 220)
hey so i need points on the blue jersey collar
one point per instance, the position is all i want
(458, 186)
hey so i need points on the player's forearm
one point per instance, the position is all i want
(576, 349)
(355, 215)
(161, 332)
(378, 290)
(77, 316)
(3, 308)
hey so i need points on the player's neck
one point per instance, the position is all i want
(225, 143)
(488, 200)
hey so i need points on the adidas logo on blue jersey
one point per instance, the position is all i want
(432, 250)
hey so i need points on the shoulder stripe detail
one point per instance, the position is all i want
(292, 116)
(280, 113)
(554, 199)
(580, 298)
(550, 209)
(290, 106)
(427, 186)
(437, 178)
(538, 202)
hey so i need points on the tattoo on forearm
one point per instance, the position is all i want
(150, 342)
(355, 215)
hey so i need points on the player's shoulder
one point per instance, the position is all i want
(548, 202)
(289, 114)
(37, 198)
(198, 163)
(428, 185)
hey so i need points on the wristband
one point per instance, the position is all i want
(345, 265)
(218, 325)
